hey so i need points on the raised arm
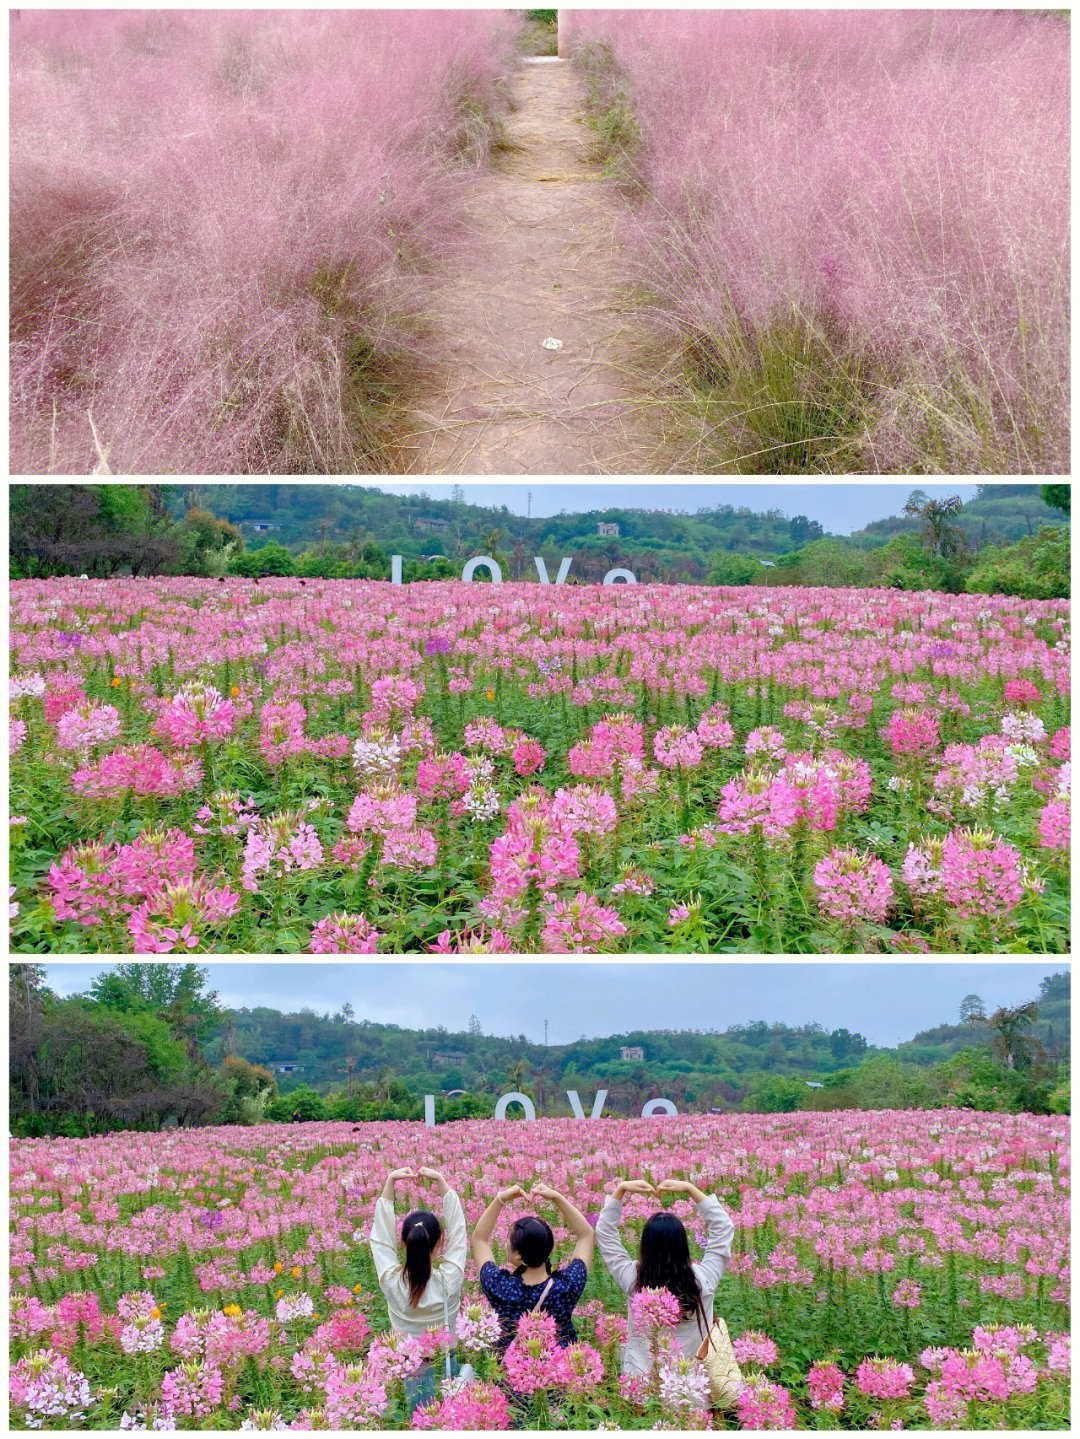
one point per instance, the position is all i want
(452, 1265)
(619, 1264)
(405, 1172)
(383, 1237)
(719, 1231)
(576, 1222)
(485, 1225)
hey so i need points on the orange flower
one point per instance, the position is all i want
(489, 694)
(277, 1266)
(235, 691)
(115, 682)
(232, 1310)
(296, 1271)
(278, 1293)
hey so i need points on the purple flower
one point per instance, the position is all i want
(437, 645)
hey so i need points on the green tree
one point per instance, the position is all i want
(736, 570)
(780, 1094)
(940, 535)
(303, 1103)
(1034, 568)
(177, 993)
(271, 559)
(1010, 1026)
(972, 1010)
(1056, 496)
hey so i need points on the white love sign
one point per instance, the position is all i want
(652, 1108)
(613, 577)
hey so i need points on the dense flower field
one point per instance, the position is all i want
(889, 1269)
(344, 766)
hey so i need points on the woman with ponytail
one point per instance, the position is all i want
(530, 1282)
(664, 1263)
(420, 1295)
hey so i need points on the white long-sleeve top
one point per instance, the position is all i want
(719, 1234)
(442, 1293)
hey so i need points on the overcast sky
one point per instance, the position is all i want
(883, 1001)
(838, 508)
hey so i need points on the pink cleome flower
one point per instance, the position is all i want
(853, 885)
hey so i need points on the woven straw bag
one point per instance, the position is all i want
(718, 1357)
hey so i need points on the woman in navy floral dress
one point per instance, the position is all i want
(530, 1282)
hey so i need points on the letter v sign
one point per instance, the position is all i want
(541, 570)
(597, 1106)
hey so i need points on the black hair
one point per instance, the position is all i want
(420, 1233)
(532, 1239)
(664, 1263)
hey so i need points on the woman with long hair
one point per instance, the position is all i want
(530, 1282)
(420, 1295)
(664, 1262)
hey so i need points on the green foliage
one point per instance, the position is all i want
(78, 1068)
(999, 514)
(779, 1094)
(736, 570)
(825, 562)
(270, 559)
(610, 112)
(303, 1103)
(122, 1055)
(1035, 568)
(1056, 496)
(102, 530)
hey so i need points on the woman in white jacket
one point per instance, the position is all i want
(664, 1263)
(419, 1296)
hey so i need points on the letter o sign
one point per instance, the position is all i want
(659, 1106)
(515, 1098)
(478, 560)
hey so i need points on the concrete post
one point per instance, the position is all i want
(565, 31)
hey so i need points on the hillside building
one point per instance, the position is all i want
(448, 1058)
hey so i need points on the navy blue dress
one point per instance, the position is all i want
(510, 1298)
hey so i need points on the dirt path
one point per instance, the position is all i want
(542, 262)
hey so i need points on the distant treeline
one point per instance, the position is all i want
(1009, 539)
(148, 1045)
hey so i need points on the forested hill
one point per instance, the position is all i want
(442, 1060)
(300, 516)
(998, 514)
(304, 515)
(321, 1049)
(1050, 1028)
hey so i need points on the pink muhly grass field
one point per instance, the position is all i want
(217, 220)
(892, 183)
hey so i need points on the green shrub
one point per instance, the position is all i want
(1035, 568)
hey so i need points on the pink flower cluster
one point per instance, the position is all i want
(854, 887)
(913, 732)
(196, 714)
(344, 934)
(141, 771)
